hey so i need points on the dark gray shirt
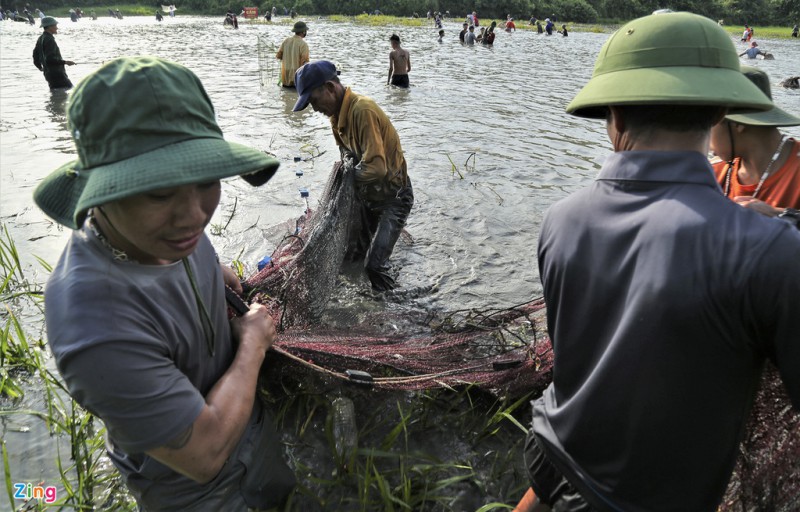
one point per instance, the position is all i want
(663, 300)
(129, 342)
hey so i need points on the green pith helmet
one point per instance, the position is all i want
(668, 59)
(141, 124)
(773, 117)
(300, 26)
(48, 21)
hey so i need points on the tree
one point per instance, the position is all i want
(786, 11)
(623, 9)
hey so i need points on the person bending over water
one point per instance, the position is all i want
(369, 145)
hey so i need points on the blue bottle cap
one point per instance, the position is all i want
(297, 158)
(298, 172)
(303, 192)
(266, 260)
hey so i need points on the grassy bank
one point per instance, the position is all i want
(762, 32)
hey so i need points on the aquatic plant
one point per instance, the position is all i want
(398, 465)
(218, 229)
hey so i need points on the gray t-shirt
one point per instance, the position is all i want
(663, 300)
(129, 342)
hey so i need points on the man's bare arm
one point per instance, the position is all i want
(200, 451)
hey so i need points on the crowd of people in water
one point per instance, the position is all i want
(232, 19)
(30, 15)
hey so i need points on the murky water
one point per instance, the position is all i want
(474, 237)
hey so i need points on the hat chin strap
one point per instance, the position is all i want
(733, 151)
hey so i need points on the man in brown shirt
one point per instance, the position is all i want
(293, 53)
(366, 138)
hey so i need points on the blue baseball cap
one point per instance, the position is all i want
(309, 77)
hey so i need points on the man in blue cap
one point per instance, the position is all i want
(366, 138)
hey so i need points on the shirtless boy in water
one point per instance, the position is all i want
(399, 63)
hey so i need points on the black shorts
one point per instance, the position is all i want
(400, 80)
(549, 484)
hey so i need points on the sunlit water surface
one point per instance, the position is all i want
(473, 238)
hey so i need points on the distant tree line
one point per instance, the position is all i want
(734, 12)
(757, 12)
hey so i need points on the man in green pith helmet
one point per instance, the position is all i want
(663, 297)
(135, 307)
(47, 56)
(293, 53)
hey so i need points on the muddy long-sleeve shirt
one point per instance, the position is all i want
(363, 128)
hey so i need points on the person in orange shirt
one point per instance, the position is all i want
(758, 166)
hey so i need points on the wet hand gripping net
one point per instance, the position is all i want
(504, 351)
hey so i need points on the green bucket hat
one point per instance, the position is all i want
(140, 124)
(773, 117)
(48, 21)
(668, 59)
(300, 26)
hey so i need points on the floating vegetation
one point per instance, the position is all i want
(469, 165)
(380, 20)
(219, 229)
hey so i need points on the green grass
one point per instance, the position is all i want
(761, 32)
(392, 469)
(380, 21)
(24, 366)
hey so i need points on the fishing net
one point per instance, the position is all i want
(499, 349)
(267, 63)
(767, 474)
(504, 351)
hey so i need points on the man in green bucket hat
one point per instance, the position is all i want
(293, 53)
(135, 307)
(47, 56)
(663, 297)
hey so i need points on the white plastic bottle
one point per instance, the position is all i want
(345, 432)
